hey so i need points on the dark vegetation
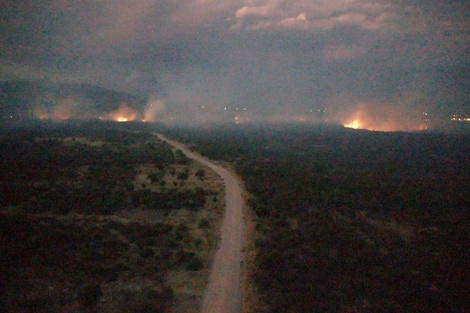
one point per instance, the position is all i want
(353, 221)
(82, 257)
(171, 199)
(56, 170)
(60, 243)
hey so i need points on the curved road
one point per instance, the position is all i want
(223, 292)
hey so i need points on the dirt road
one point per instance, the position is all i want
(223, 294)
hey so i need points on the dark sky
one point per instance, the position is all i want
(384, 61)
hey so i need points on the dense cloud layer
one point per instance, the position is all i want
(271, 59)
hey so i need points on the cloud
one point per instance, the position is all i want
(298, 22)
(342, 52)
(195, 15)
(313, 15)
(273, 56)
(122, 19)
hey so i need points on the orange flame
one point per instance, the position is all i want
(123, 114)
(356, 124)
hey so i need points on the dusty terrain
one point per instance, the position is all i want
(223, 292)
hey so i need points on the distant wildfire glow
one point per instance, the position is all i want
(383, 118)
(403, 116)
(64, 110)
(356, 124)
(123, 114)
(71, 108)
(56, 115)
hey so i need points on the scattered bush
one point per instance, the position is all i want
(182, 176)
(147, 252)
(146, 300)
(194, 264)
(203, 224)
(200, 174)
(333, 259)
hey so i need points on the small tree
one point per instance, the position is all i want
(200, 174)
(182, 176)
(154, 177)
(181, 158)
(204, 223)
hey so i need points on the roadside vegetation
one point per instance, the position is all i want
(100, 217)
(351, 221)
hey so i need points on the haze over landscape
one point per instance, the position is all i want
(234, 156)
(376, 64)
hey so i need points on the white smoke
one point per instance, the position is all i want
(153, 109)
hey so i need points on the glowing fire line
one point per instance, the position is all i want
(354, 124)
